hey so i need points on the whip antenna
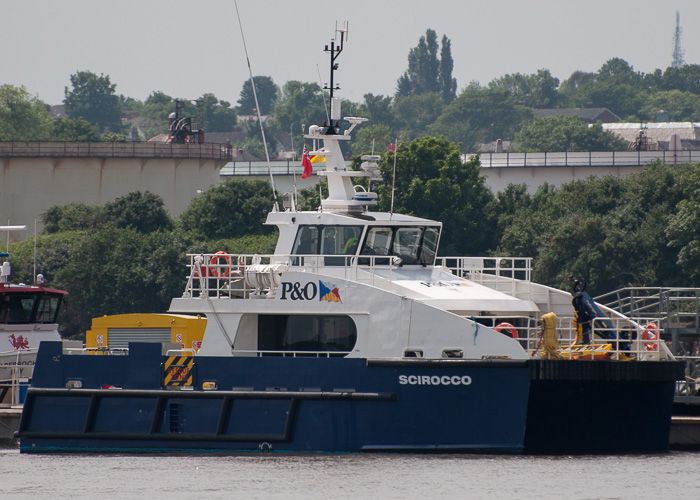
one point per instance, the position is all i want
(393, 180)
(323, 94)
(257, 107)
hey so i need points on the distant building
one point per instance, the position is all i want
(665, 136)
(589, 115)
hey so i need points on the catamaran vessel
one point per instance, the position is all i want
(355, 336)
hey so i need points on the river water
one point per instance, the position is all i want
(674, 475)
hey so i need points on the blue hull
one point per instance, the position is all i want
(278, 404)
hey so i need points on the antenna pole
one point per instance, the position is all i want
(335, 51)
(393, 180)
(257, 107)
(35, 225)
(325, 104)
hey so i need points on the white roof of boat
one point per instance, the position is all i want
(365, 217)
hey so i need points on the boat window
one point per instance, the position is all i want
(285, 333)
(340, 240)
(327, 240)
(378, 241)
(17, 308)
(306, 242)
(414, 245)
(430, 244)
(407, 243)
(47, 309)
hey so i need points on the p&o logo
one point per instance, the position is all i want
(309, 291)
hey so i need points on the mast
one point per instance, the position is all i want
(342, 196)
(334, 52)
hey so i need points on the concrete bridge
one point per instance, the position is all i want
(534, 169)
(501, 169)
(35, 176)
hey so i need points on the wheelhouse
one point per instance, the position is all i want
(23, 306)
(413, 244)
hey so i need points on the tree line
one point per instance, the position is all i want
(426, 103)
(130, 255)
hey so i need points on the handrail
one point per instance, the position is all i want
(584, 159)
(278, 167)
(115, 150)
(248, 275)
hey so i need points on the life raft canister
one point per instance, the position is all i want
(651, 335)
(217, 268)
(508, 328)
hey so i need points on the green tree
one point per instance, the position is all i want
(112, 137)
(432, 182)
(680, 106)
(480, 115)
(574, 89)
(619, 71)
(565, 133)
(448, 84)
(73, 130)
(608, 230)
(377, 109)
(300, 103)
(416, 113)
(253, 144)
(135, 267)
(218, 115)
(93, 98)
(686, 78)
(539, 90)
(232, 209)
(72, 217)
(426, 72)
(683, 231)
(623, 99)
(266, 91)
(23, 117)
(144, 212)
(370, 138)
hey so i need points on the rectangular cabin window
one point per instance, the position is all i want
(47, 309)
(306, 242)
(407, 243)
(428, 249)
(17, 308)
(378, 241)
(299, 333)
(328, 240)
(412, 244)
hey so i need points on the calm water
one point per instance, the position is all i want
(674, 476)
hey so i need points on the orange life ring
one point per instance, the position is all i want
(507, 327)
(217, 268)
(651, 335)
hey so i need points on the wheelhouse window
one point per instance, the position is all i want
(26, 308)
(327, 240)
(413, 244)
(310, 333)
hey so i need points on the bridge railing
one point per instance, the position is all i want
(585, 158)
(115, 150)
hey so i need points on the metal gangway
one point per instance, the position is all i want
(676, 313)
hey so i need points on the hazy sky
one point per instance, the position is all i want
(187, 48)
